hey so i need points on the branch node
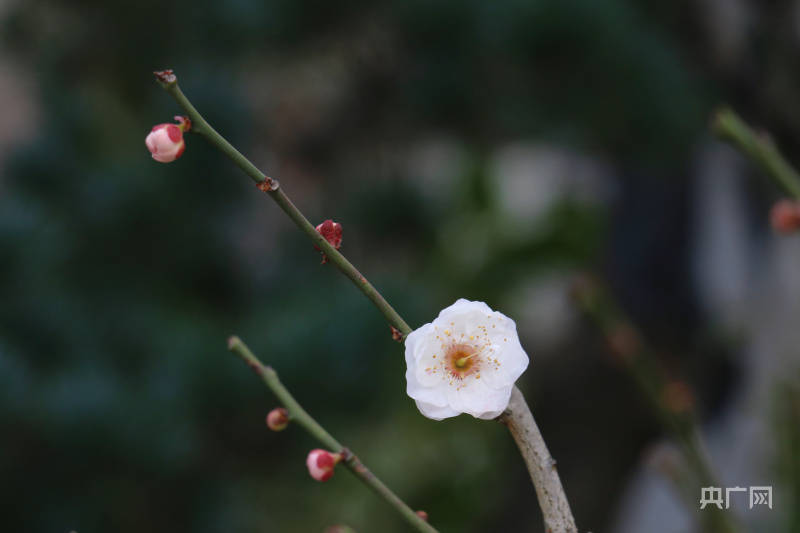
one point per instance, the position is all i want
(346, 454)
(268, 185)
(397, 335)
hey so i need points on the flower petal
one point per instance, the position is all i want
(435, 412)
(477, 399)
(432, 395)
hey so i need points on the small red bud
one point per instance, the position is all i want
(332, 231)
(278, 419)
(321, 463)
(785, 216)
(423, 515)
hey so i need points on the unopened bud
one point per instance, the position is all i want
(321, 463)
(785, 216)
(423, 515)
(165, 141)
(332, 231)
(278, 419)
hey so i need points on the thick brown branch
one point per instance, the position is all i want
(541, 465)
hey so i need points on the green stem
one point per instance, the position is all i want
(299, 416)
(728, 126)
(271, 187)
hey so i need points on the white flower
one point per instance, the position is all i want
(465, 361)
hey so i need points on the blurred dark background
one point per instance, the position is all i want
(486, 150)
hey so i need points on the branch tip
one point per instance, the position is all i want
(165, 77)
(233, 342)
(758, 146)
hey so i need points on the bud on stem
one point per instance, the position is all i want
(278, 419)
(165, 141)
(785, 216)
(332, 231)
(321, 463)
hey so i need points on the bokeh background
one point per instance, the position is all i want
(487, 150)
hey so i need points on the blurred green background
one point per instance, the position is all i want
(486, 150)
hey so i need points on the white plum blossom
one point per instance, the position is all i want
(465, 361)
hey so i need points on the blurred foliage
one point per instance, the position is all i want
(786, 415)
(120, 278)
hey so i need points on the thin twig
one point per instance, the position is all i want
(515, 416)
(299, 416)
(271, 187)
(759, 147)
(675, 414)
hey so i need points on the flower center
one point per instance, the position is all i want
(462, 360)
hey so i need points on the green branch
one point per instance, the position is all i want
(516, 416)
(729, 127)
(169, 82)
(299, 416)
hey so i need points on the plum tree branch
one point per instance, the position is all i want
(541, 465)
(299, 416)
(517, 416)
(169, 82)
(759, 147)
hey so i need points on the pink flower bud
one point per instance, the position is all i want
(278, 419)
(422, 514)
(165, 141)
(332, 231)
(785, 216)
(320, 464)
